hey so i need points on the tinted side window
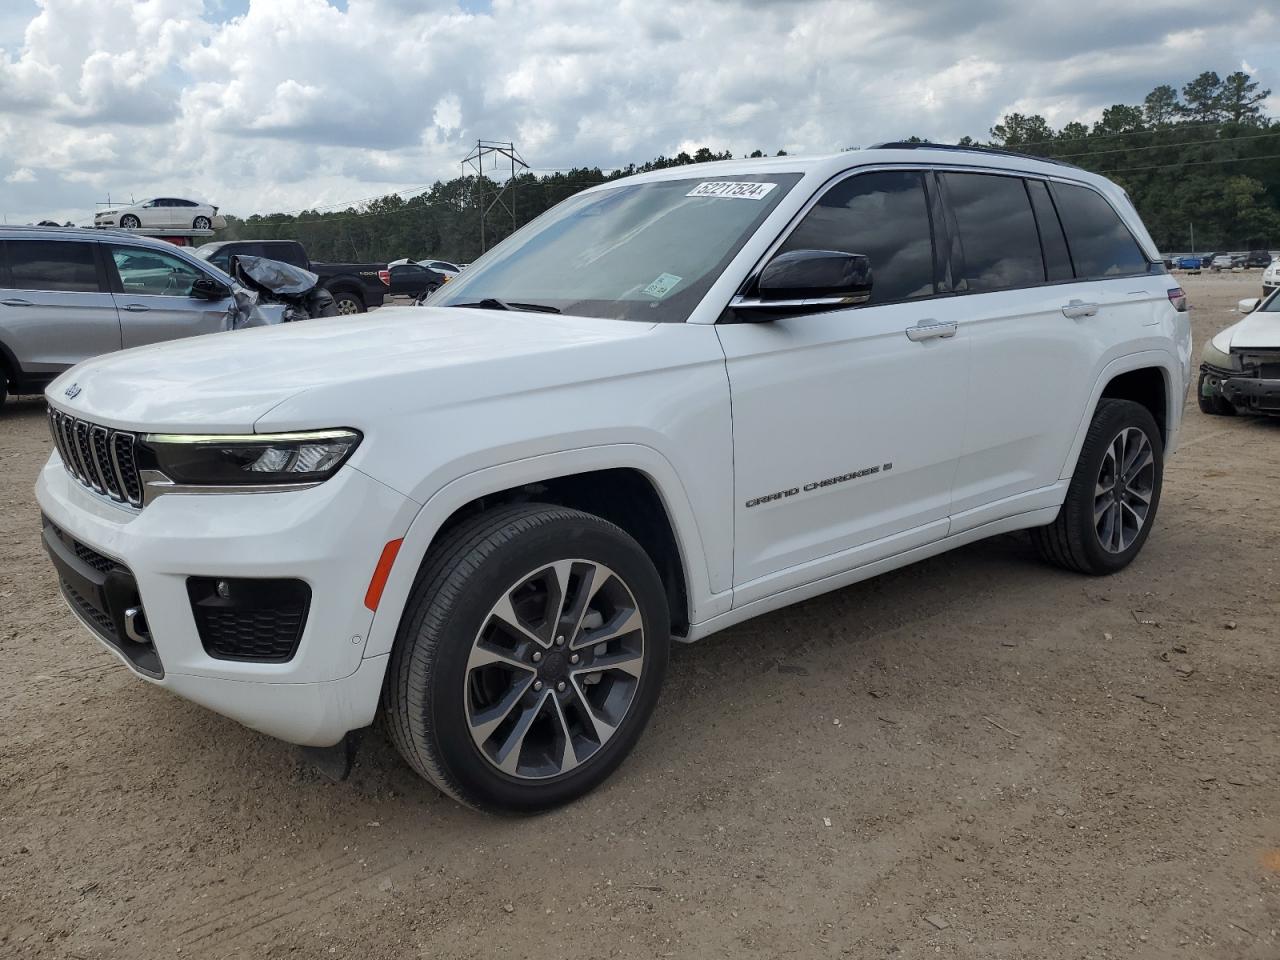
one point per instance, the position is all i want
(52, 265)
(1101, 245)
(884, 216)
(145, 272)
(997, 231)
(1057, 262)
(285, 253)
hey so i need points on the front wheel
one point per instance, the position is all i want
(130, 222)
(529, 658)
(1211, 403)
(1113, 495)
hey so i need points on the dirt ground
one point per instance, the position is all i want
(978, 756)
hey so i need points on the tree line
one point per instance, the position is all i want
(1202, 159)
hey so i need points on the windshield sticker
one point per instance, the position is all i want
(737, 189)
(660, 287)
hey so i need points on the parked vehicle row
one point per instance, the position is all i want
(489, 516)
(355, 286)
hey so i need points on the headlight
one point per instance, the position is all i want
(246, 460)
(1216, 357)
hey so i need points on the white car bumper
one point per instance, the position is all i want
(329, 537)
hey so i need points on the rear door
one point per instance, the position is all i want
(1037, 333)
(56, 307)
(153, 296)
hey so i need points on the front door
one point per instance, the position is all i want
(846, 429)
(153, 296)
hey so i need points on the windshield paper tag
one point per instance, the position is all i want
(660, 287)
(738, 189)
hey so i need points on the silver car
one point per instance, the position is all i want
(68, 294)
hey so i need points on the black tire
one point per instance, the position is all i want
(460, 581)
(1215, 406)
(1072, 540)
(4, 384)
(130, 222)
(201, 223)
(348, 302)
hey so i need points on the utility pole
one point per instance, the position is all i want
(499, 150)
(1193, 237)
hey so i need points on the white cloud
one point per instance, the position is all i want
(300, 102)
(21, 175)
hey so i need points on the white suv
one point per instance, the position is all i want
(671, 403)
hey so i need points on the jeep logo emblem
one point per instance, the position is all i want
(72, 391)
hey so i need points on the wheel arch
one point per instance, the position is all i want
(630, 485)
(1149, 378)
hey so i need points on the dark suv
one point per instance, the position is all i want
(1258, 258)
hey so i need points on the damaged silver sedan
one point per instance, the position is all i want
(1240, 367)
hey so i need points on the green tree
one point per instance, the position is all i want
(1203, 98)
(1241, 99)
(1161, 106)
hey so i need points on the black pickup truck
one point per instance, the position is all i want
(355, 286)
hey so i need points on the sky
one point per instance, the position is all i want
(280, 105)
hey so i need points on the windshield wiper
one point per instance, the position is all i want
(493, 303)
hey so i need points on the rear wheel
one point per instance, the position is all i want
(348, 303)
(201, 223)
(1113, 495)
(4, 384)
(1213, 404)
(529, 658)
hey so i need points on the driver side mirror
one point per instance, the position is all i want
(809, 279)
(1249, 305)
(207, 288)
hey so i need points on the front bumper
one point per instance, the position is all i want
(1255, 395)
(329, 536)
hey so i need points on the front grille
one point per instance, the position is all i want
(242, 619)
(98, 457)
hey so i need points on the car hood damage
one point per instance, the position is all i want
(414, 356)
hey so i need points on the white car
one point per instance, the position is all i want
(1271, 277)
(162, 213)
(446, 267)
(1240, 367)
(671, 403)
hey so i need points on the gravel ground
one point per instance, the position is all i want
(977, 756)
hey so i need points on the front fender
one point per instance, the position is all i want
(491, 480)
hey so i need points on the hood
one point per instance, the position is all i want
(228, 381)
(1258, 331)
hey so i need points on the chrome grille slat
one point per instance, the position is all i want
(98, 457)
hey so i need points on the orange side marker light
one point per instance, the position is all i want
(381, 572)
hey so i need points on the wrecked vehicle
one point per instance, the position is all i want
(1240, 367)
(71, 294)
(275, 292)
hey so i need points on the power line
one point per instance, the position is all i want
(1164, 146)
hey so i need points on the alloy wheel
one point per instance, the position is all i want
(554, 669)
(202, 223)
(347, 306)
(1124, 489)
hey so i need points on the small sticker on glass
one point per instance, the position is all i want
(735, 189)
(663, 285)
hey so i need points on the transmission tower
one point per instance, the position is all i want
(504, 155)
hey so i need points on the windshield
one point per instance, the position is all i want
(645, 251)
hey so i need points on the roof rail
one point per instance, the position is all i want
(994, 151)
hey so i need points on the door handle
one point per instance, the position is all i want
(930, 330)
(135, 308)
(1078, 310)
(16, 302)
